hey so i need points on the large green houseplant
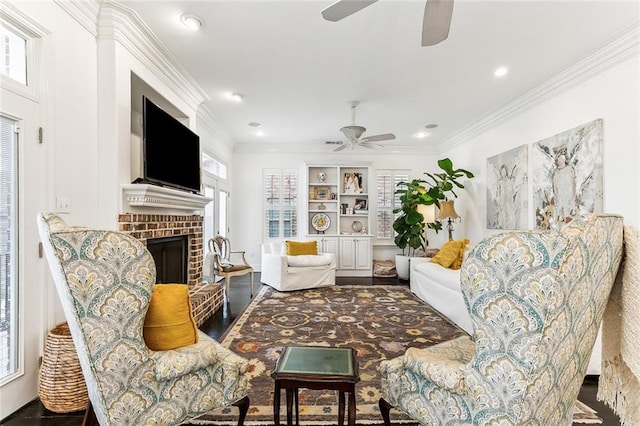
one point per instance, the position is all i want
(409, 225)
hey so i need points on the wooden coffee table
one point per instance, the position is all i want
(316, 367)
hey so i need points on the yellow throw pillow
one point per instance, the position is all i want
(298, 248)
(447, 254)
(457, 264)
(169, 323)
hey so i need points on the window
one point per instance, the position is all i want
(8, 249)
(13, 59)
(387, 200)
(213, 166)
(280, 203)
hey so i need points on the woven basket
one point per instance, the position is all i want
(61, 385)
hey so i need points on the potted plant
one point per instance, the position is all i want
(409, 225)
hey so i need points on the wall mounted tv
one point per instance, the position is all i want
(171, 151)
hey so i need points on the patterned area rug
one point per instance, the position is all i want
(380, 322)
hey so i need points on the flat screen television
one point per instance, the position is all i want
(170, 150)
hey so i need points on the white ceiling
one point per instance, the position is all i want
(298, 73)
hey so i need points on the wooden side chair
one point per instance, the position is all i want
(224, 266)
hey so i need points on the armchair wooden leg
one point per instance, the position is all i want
(243, 405)
(89, 418)
(251, 284)
(385, 407)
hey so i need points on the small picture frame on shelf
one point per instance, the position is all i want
(323, 193)
(360, 204)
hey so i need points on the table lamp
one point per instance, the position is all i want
(447, 211)
(428, 213)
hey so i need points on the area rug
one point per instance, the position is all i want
(380, 322)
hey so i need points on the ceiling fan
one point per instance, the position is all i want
(435, 24)
(353, 134)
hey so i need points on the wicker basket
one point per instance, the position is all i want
(61, 385)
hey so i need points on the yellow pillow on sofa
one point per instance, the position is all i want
(457, 264)
(299, 248)
(447, 254)
(169, 323)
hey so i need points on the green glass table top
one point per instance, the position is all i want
(316, 360)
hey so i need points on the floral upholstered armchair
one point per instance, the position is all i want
(105, 281)
(536, 300)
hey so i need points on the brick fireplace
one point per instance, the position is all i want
(158, 212)
(148, 226)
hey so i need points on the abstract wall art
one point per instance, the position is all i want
(567, 175)
(507, 194)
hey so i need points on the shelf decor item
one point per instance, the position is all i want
(352, 183)
(320, 222)
(323, 193)
(322, 176)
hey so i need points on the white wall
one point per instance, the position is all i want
(68, 99)
(613, 95)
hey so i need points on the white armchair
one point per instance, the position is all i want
(288, 273)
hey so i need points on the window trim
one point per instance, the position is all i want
(406, 175)
(32, 34)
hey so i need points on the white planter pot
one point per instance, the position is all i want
(402, 266)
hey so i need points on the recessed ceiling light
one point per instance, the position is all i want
(236, 97)
(259, 133)
(190, 21)
(421, 135)
(254, 124)
(501, 71)
(431, 126)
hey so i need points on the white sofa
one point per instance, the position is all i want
(288, 273)
(440, 288)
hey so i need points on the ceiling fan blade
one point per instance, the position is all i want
(343, 8)
(436, 22)
(341, 147)
(379, 138)
(371, 145)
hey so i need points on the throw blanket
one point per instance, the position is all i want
(619, 384)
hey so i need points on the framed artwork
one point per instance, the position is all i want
(323, 193)
(567, 178)
(507, 193)
(360, 204)
(352, 183)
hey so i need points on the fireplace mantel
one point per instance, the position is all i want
(140, 197)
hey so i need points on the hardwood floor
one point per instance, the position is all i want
(34, 413)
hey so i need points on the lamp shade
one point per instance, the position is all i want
(447, 211)
(428, 212)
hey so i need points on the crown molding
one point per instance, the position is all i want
(85, 12)
(623, 47)
(118, 22)
(15, 17)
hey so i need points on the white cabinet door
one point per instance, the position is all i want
(363, 253)
(355, 253)
(329, 245)
(347, 253)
